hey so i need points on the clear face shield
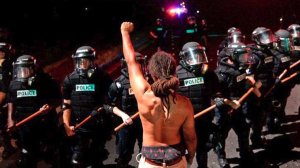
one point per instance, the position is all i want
(284, 44)
(83, 65)
(236, 38)
(194, 56)
(22, 73)
(266, 38)
(244, 59)
(295, 32)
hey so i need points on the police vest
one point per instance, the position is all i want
(26, 99)
(196, 88)
(282, 61)
(265, 65)
(128, 101)
(234, 80)
(85, 94)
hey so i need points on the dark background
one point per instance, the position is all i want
(36, 25)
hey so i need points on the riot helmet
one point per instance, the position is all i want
(294, 30)
(193, 57)
(240, 55)
(4, 50)
(191, 20)
(231, 30)
(24, 68)
(263, 36)
(159, 22)
(84, 60)
(141, 59)
(283, 40)
(236, 37)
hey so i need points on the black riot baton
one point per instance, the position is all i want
(93, 113)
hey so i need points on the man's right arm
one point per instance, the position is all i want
(189, 133)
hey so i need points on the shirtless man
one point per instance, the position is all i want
(164, 114)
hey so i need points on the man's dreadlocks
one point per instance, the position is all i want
(162, 67)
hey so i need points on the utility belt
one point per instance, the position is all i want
(163, 163)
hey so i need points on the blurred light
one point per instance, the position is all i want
(281, 19)
(86, 8)
(198, 11)
(177, 11)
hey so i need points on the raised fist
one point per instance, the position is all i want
(127, 27)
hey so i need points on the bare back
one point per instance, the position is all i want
(159, 127)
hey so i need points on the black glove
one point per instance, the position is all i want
(219, 101)
(277, 81)
(108, 108)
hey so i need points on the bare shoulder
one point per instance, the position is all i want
(183, 103)
(182, 99)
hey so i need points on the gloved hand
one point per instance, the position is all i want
(108, 108)
(126, 119)
(277, 81)
(219, 101)
(235, 104)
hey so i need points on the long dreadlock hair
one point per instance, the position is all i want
(162, 67)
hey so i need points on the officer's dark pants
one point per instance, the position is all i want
(259, 109)
(203, 130)
(5, 138)
(29, 140)
(89, 149)
(127, 137)
(277, 115)
(237, 121)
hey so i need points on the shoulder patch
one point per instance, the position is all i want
(268, 59)
(241, 77)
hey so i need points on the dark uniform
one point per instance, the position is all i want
(28, 92)
(232, 72)
(234, 35)
(198, 83)
(87, 91)
(5, 78)
(159, 33)
(294, 30)
(282, 59)
(194, 31)
(121, 95)
(263, 69)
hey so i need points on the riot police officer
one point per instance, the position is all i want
(5, 78)
(263, 71)
(194, 31)
(282, 59)
(32, 90)
(159, 34)
(234, 35)
(232, 74)
(84, 91)
(198, 83)
(294, 30)
(123, 99)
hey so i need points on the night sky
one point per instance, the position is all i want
(82, 20)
